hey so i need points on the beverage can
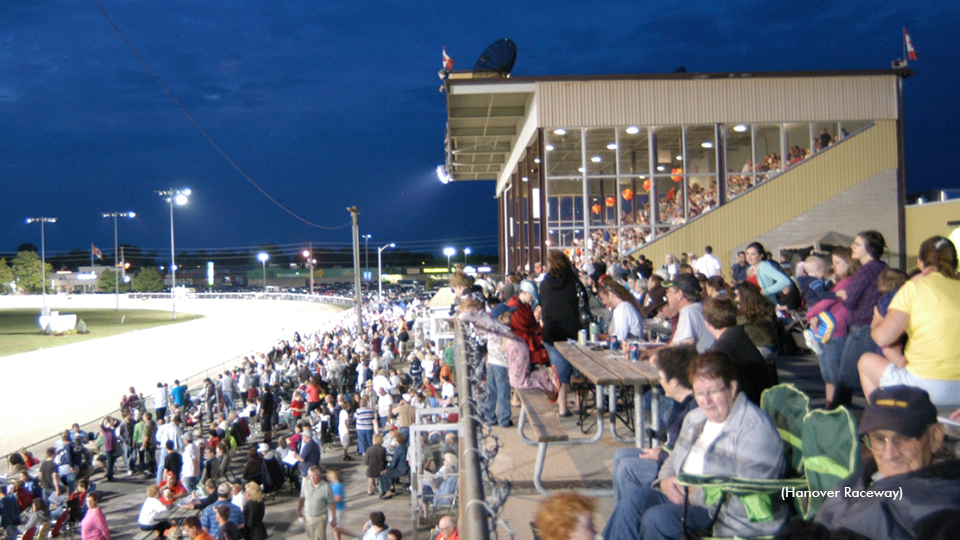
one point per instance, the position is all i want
(594, 331)
(634, 352)
(582, 337)
(614, 343)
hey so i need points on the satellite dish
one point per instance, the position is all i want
(498, 58)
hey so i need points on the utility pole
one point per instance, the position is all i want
(358, 298)
(311, 267)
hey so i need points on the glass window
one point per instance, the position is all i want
(603, 201)
(701, 149)
(738, 145)
(702, 193)
(632, 238)
(633, 147)
(669, 189)
(768, 161)
(668, 148)
(601, 152)
(563, 152)
(635, 200)
(799, 143)
(604, 243)
(849, 128)
(565, 202)
(825, 134)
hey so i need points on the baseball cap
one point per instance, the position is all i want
(686, 283)
(223, 489)
(906, 410)
(528, 286)
(263, 448)
(501, 308)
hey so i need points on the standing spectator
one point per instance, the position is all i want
(560, 295)
(230, 391)
(253, 512)
(148, 446)
(110, 445)
(309, 455)
(860, 297)
(267, 408)
(764, 274)
(191, 462)
(178, 394)
(375, 458)
(343, 427)
(708, 265)
(243, 384)
(94, 524)
(161, 401)
(363, 421)
(227, 530)
(834, 312)
(316, 499)
(49, 479)
(340, 498)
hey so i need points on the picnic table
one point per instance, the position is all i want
(608, 370)
(654, 330)
(174, 513)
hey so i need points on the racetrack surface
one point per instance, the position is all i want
(45, 391)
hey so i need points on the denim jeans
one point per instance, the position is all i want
(498, 396)
(631, 472)
(160, 459)
(564, 369)
(228, 401)
(647, 513)
(364, 440)
(858, 342)
(830, 359)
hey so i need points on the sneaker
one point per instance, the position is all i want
(811, 343)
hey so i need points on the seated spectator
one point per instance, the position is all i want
(565, 516)
(210, 488)
(633, 470)
(192, 529)
(726, 435)
(626, 321)
(926, 308)
(757, 317)
(208, 519)
(900, 427)
(439, 487)
(171, 489)
(9, 512)
(253, 469)
(397, 468)
(720, 315)
(376, 528)
(152, 507)
(683, 296)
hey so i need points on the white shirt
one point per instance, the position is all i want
(381, 381)
(692, 326)
(694, 462)
(708, 265)
(151, 507)
(160, 398)
(168, 432)
(243, 382)
(626, 321)
(190, 453)
(383, 405)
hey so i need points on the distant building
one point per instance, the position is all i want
(606, 166)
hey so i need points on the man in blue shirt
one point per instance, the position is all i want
(179, 390)
(309, 453)
(208, 520)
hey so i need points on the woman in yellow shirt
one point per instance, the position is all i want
(927, 308)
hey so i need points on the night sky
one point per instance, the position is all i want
(325, 105)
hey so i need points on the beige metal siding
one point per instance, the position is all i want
(926, 220)
(816, 180)
(655, 102)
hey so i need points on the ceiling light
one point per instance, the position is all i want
(633, 130)
(580, 169)
(706, 144)
(679, 157)
(739, 128)
(612, 146)
(536, 160)
(549, 148)
(560, 131)
(661, 168)
(525, 179)
(596, 159)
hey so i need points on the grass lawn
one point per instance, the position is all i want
(19, 331)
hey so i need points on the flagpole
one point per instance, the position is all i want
(91, 254)
(905, 59)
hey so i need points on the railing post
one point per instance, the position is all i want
(473, 517)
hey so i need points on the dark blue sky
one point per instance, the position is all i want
(332, 104)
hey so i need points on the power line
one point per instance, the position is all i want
(203, 132)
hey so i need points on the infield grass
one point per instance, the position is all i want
(19, 331)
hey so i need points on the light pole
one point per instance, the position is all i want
(311, 261)
(178, 196)
(43, 259)
(449, 252)
(466, 252)
(366, 248)
(263, 256)
(380, 269)
(116, 261)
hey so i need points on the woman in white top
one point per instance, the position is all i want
(626, 321)
(152, 507)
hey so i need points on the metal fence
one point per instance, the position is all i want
(299, 297)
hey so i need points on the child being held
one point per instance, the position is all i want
(811, 285)
(888, 283)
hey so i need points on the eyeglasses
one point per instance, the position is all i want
(878, 443)
(714, 394)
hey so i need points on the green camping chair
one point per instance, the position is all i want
(788, 407)
(831, 452)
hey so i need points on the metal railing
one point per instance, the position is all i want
(474, 524)
(299, 297)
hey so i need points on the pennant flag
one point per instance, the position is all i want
(447, 61)
(911, 53)
(96, 252)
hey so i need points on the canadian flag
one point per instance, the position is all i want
(447, 61)
(96, 252)
(911, 52)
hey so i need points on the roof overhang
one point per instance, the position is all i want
(484, 123)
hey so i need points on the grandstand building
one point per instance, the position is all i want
(669, 163)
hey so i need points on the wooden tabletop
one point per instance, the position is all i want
(605, 367)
